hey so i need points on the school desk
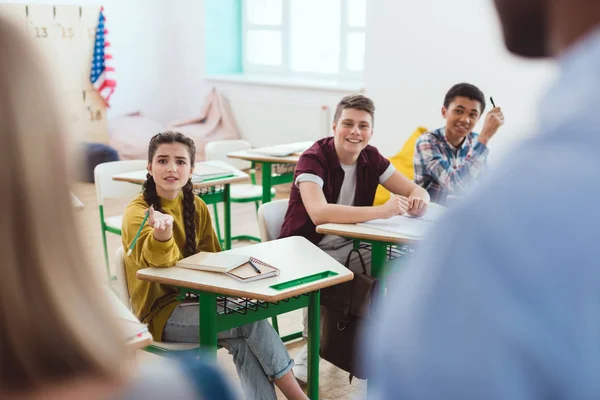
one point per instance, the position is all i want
(275, 170)
(378, 239)
(305, 269)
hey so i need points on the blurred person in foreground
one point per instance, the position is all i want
(58, 338)
(519, 317)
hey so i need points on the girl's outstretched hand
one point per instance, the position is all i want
(162, 224)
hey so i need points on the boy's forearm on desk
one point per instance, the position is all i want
(339, 214)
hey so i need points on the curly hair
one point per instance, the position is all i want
(467, 90)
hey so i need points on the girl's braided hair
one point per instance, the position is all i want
(189, 207)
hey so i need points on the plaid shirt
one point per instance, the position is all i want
(443, 169)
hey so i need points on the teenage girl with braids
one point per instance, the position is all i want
(179, 225)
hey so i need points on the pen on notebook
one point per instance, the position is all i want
(492, 100)
(138, 233)
(254, 266)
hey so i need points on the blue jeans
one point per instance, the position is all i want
(258, 352)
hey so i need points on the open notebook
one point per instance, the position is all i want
(246, 273)
(406, 225)
(214, 262)
(235, 265)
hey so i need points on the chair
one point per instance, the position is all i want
(106, 188)
(123, 294)
(270, 219)
(243, 193)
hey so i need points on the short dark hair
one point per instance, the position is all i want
(467, 90)
(357, 102)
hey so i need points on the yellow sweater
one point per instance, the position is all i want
(152, 302)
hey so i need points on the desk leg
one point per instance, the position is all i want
(378, 255)
(378, 251)
(208, 323)
(267, 172)
(314, 338)
(227, 217)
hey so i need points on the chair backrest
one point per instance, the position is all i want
(217, 151)
(270, 219)
(121, 283)
(106, 188)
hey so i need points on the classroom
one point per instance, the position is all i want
(291, 199)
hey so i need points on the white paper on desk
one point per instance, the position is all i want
(411, 227)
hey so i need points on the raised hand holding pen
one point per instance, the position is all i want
(162, 224)
(493, 121)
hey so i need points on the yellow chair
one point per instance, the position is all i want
(403, 162)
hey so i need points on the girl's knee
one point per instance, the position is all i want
(256, 326)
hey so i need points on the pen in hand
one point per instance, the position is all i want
(137, 235)
(254, 266)
(492, 100)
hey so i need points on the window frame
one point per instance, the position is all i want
(284, 69)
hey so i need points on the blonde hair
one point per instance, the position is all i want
(55, 324)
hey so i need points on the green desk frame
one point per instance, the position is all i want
(213, 322)
(212, 195)
(269, 179)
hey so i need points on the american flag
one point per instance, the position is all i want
(102, 74)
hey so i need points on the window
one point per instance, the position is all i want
(312, 38)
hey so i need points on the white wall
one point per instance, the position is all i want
(191, 86)
(143, 51)
(416, 50)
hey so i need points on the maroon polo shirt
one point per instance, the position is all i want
(322, 160)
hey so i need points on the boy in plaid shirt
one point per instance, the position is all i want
(448, 160)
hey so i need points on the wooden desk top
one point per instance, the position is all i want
(354, 231)
(249, 155)
(139, 177)
(296, 257)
